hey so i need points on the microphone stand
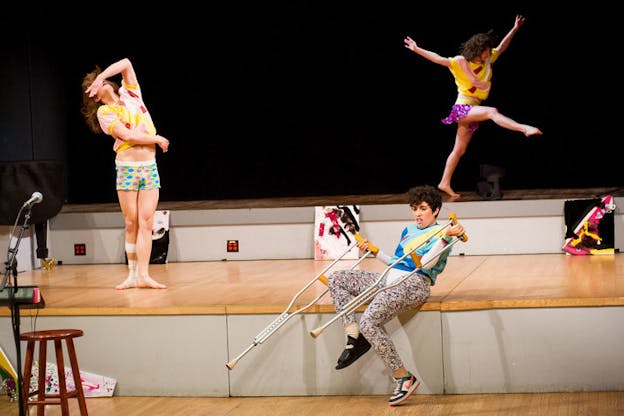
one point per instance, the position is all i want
(11, 268)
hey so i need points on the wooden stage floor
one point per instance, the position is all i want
(267, 286)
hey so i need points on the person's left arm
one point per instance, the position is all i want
(135, 136)
(430, 258)
(504, 44)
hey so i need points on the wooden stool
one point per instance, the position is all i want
(56, 335)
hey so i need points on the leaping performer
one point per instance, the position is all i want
(472, 71)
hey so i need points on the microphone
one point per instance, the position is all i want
(35, 198)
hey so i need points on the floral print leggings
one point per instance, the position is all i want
(410, 294)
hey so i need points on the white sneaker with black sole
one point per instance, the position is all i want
(403, 389)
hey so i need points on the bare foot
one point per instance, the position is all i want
(531, 131)
(447, 189)
(130, 282)
(149, 282)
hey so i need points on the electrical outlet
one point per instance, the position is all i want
(80, 249)
(232, 246)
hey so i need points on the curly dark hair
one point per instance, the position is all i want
(89, 105)
(424, 193)
(478, 43)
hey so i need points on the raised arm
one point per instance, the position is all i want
(431, 56)
(123, 67)
(504, 44)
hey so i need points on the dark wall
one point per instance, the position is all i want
(295, 98)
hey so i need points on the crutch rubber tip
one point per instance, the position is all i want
(230, 365)
(316, 332)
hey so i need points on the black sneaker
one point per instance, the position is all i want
(404, 387)
(356, 347)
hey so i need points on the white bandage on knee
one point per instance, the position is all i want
(130, 248)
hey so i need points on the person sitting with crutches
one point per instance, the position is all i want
(420, 256)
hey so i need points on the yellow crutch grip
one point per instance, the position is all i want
(371, 247)
(453, 220)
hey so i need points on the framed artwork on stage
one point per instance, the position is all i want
(335, 228)
(160, 237)
(8, 377)
(93, 385)
(590, 226)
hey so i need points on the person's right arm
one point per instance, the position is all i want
(363, 245)
(431, 56)
(123, 67)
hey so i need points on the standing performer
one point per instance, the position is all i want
(121, 113)
(472, 71)
(344, 285)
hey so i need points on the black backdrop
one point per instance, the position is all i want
(293, 98)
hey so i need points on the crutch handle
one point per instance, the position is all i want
(453, 220)
(371, 247)
(323, 279)
(416, 259)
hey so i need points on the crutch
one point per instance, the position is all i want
(370, 292)
(286, 315)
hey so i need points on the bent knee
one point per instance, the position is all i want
(492, 112)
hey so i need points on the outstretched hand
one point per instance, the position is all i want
(519, 21)
(410, 44)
